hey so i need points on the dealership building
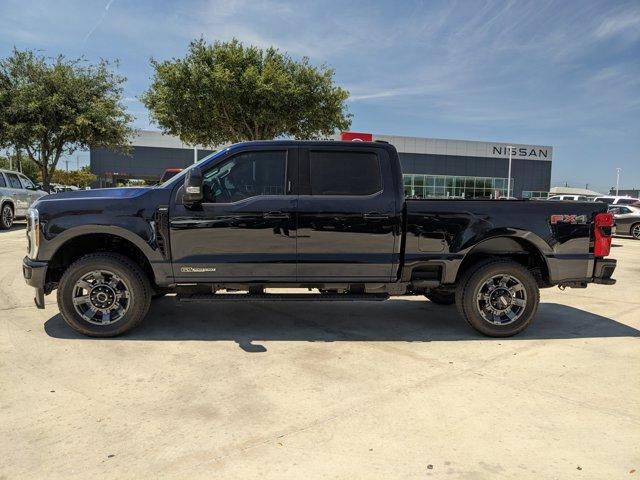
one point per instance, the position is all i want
(432, 167)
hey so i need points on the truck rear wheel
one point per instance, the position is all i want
(498, 297)
(104, 295)
(441, 297)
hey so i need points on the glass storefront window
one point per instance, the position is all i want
(469, 183)
(450, 186)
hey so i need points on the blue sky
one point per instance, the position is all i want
(563, 73)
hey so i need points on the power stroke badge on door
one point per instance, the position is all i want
(197, 269)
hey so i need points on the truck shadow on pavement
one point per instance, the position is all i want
(393, 320)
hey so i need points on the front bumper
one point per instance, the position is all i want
(35, 274)
(603, 270)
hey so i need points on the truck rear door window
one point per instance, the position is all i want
(2, 181)
(344, 173)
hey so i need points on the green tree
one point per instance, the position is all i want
(80, 178)
(227, 92)
(51, 107)
(20, 163)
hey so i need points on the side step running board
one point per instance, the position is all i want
(282, 297)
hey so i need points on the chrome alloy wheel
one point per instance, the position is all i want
(635, 232)
(501, 299)
(7, 216)
(101, 297)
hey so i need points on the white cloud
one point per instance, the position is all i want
(627, 22)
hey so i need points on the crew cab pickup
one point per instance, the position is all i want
(327, 218)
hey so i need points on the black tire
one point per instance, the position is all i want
(6, 216)
(635, 231)
(471, 295)
(441, 297)
(133, 280)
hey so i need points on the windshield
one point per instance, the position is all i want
(180, 176)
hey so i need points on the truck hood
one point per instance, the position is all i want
(102, 193)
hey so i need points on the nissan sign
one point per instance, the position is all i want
(530, 152)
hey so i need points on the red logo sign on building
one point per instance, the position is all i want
(356, 137)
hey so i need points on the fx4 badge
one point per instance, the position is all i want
(197, 269)
(571, 219)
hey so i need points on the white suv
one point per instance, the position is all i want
(17, 193)
(573, 198)
(613, 200)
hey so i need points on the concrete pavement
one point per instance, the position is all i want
(398, 389)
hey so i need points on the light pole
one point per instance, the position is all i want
(509, 175)
(618, 180)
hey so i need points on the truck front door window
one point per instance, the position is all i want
(246, 175)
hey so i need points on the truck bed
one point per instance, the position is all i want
(445, 231)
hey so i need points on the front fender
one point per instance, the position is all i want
(145, 242)
(161, 267)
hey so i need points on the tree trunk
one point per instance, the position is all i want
(46, 178)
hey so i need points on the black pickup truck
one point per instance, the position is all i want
(329, 218)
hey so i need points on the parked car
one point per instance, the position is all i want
(571, 198)
(59, 188)
(613, 200)
(169, 173)
(627, 219)
(331, 216)
(17, 193)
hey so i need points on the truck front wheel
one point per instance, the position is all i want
(103, 295)
(498, 297)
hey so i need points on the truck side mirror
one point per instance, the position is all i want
(193, 187)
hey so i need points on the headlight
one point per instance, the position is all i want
(33, 232)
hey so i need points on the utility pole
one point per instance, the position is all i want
(66, 162)
(195, 154)
(509, 175)
(618, 170)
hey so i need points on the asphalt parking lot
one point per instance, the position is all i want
(399, 389)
